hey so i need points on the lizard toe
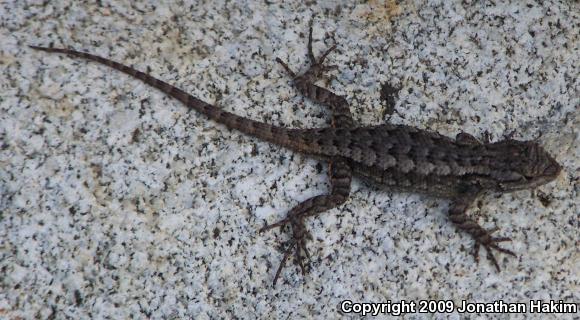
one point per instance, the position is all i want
(491, 243)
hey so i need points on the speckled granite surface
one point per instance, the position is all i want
(117, 203)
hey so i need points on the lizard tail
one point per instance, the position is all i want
(277, 135)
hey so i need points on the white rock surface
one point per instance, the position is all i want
(116, 202)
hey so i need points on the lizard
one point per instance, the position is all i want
(398, 157)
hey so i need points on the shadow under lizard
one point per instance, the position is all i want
(399, 157)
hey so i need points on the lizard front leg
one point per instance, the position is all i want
(458, 215)
(340, 178)
(341, 116)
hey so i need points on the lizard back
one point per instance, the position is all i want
(410, 159)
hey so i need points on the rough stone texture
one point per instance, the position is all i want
(117, 202)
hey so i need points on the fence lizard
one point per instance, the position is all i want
(399, 157)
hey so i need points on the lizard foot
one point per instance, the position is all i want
(488, 242)
(316, 65)
(340, 180)
(298, 243)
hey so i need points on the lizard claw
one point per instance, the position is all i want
(488, 244)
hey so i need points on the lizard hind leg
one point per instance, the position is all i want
(340, 171)
(341, 116)
(340, 178)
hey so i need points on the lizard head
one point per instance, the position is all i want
(529, 165)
